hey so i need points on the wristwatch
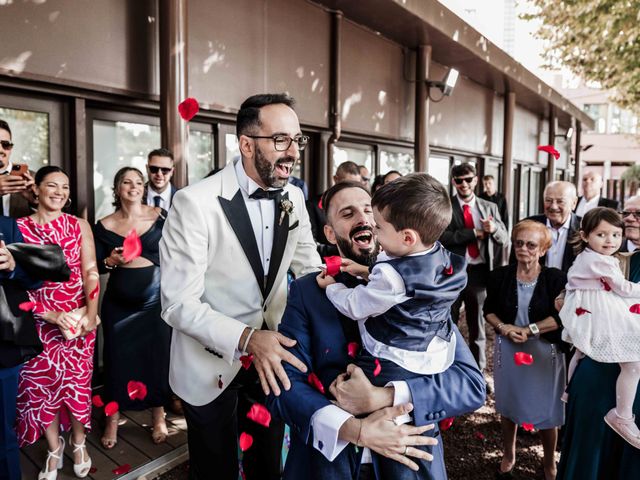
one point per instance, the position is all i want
(534, 329)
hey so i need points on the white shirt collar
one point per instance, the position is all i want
(165, 196)
(8, 169)
(383, 256)
(565, 225)
(471, 203)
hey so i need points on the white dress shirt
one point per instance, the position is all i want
(631, 247)
(559, 237)
(477, 224)
(386, 289)
(165, 197)
(585, 205)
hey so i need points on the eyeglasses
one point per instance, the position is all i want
(635, 215)
(465, 179)
(164, 170)
(561, 202)
(6, 144)
(282, 142)
(531, 246)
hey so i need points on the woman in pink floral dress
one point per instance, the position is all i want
(54, 392)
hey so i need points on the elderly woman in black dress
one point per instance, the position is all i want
(136, 339)
(520, 306)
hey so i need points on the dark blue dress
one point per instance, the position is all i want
(591, 450)
(136, 339)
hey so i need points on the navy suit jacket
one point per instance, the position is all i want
(318, 328)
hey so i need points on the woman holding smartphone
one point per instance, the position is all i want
(136, 339)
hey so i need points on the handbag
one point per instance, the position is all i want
(77, 315)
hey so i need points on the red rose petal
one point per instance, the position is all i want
(320, 204)
(246, 361)
(246, 441)
(606, 286)
(188, 108)
(259, 414)
(94, 293)
(220, 383)
(93, 470)
(315, 382)
(448, 270)
(549, 149)
(635, 308)
(136, 390)
(522, 358)
(479, 435)
(97, 401)
(378, 369)
(446, 424)
(581, 311)
(528, 427)
(111, 409)
(122, 469)
(352, 349)
(132, 247)
(333, 265)
(27, 306)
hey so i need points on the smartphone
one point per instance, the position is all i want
(19, 169)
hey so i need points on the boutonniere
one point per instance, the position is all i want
(286, 206)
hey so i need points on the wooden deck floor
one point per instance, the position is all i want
(134, 447)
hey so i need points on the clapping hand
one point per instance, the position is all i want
(488, 225)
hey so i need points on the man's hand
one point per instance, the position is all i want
(355, 394)
(480, 234)
(325, 280)
(268, 353)
(398, 442)
(13, 184)
(488, 225)
(6, 259)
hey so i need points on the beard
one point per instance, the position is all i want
(266, 170)
(358, 255)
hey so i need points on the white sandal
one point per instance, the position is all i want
(81, 469)
(58, 454)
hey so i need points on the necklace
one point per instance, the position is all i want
(528, 284)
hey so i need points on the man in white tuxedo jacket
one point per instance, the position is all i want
(227, 245)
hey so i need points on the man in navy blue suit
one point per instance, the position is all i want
(13, 347)
(323, 336)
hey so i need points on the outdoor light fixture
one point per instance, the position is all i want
(567, 135)
(446, 86)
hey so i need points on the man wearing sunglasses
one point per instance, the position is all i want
(227, 245)
(15, 190)
(477, 233)
(160, 190)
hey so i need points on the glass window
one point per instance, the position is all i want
(200, 154)
(438, 168)
(401, 161)
(597, 111)
(523, 201)
(233, 150)
(30, 135)
(359, 154)
(117, 145)
(623, 121)
(534, 192)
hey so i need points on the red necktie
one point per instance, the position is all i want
(472, 247)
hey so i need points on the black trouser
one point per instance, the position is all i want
(473, 297)
(213, 434)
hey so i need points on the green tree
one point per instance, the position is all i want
(597, 40)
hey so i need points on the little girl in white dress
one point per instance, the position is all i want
(601, 314)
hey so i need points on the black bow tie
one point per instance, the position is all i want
(261, 194)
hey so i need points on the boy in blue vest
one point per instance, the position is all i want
(403, 312)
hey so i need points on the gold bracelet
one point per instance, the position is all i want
(359, 433)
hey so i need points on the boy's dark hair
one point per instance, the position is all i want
(463, 169)
(160, 152)
(5, 126)
(590, 222)
(488, 177)
(249, 114)
(416, 201)
(331, 192)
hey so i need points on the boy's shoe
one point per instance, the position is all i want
(624, 427)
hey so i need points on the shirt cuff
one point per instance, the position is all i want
(401, 396)
(326, 424)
